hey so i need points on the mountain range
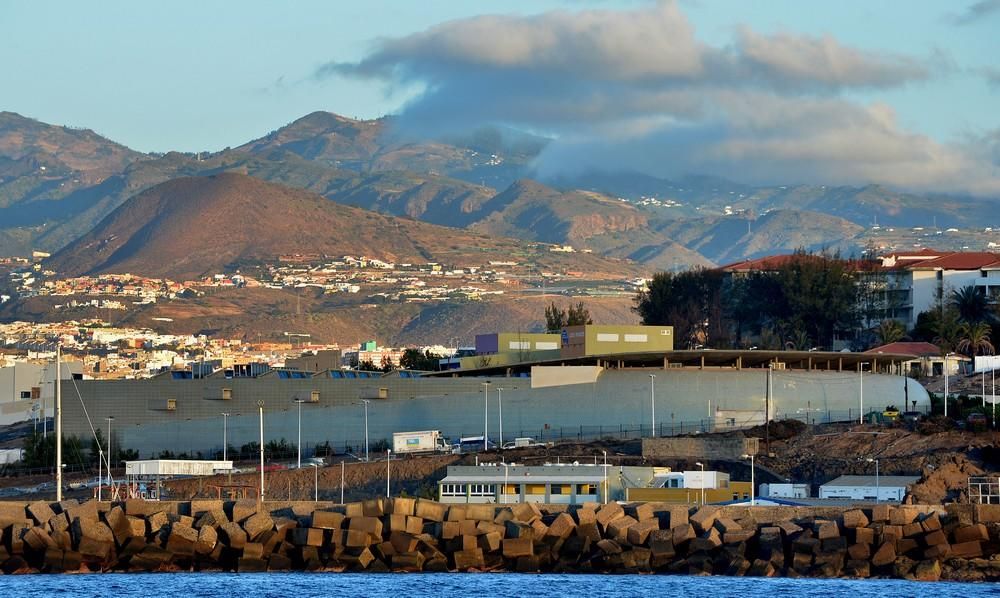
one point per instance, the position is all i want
(58, 183)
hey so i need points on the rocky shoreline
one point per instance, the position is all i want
(958, 542)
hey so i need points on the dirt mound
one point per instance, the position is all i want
(778, 430)
(946, 482)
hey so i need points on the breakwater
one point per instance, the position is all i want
(405, 534)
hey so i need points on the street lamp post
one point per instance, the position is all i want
(753, 490)
(299, 402)
(365, 401)
(946, 356)
(503, 492)
(652, 402)
(702, 466)
(486, 415)
(875, 461)
(861, 393)
(388, 455)
(500, 415)
(342, 482)
(605, 476)
(110, 419)
(225, 435)
(260, 409)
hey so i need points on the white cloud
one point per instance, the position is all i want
(637, 89)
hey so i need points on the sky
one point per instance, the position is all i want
(852, 91)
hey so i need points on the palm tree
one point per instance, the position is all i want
(890, 331)
(975, 339)
(971, 304)
(948, 331)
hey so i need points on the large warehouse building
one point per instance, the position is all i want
(585, 395)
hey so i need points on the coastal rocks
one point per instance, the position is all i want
(421, 535)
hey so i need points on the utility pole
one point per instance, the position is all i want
(652, 403)
(59, 473)
(260, 407)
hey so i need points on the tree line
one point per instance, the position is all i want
(806, 301)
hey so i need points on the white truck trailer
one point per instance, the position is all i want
(416, 443)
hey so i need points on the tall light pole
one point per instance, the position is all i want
(500, 415)
(225, 435)
(605, 476)
(861, 393)
(702, 466)
(946, 356)
(753, 490)
(59, 474)
(875, 461)
(388, 455)
(342, 482)
(503, 493)
(299, 402)
(652, 402)
(110, 419)
(486, 415)
(315, 482)
(260, 408)
(365, 401)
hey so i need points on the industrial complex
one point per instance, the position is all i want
(584, 382)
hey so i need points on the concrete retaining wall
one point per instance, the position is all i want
(706, 448)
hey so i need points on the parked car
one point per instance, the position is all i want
(977, 422)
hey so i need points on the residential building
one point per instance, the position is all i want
(930, 359)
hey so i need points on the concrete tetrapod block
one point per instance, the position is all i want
(864, 535)
(94, 538)
(467, 527)
(456, 513)
(213, 518)
(408, 561)
(182, 540)
(354, 509)
(41, 512)
(971, 533)
(468, 559)
(480, 512)
(638, 534)
(414, 525)
(403, 506)
(931, 522)
(373, 507)
(854, 518)
(609, 513)
(618, 528)
(859, 552)
(880, 512)
(902, 515)
(938, 551)
(233, 536)
(430, 510)
(683, 533)
(828, 529)
(257, 524)
(369, 525)
(562, 526)
(517, 547)
(119, 524)
(967, 550)
(207, 539)
(327, 519)
(307, 536)
(243, 509)
(704, 518)
(585, 515)
(885, 555)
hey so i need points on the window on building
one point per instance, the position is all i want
(25, 394)
(482, 490)
(535, 489)
(561, 489)
(746, 495)
(452, 489)
(736, 495)
(586, 489)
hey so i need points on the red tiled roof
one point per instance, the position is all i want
(908, 348)
(958, 260)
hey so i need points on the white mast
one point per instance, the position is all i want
(59, 472)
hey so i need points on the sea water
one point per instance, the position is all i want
(462, 585)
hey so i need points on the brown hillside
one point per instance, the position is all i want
(192, 226)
